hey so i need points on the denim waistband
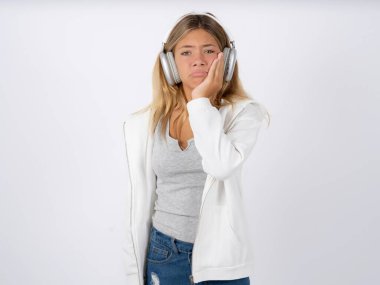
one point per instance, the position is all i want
(170, 241)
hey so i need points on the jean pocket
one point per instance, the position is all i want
(158, 253)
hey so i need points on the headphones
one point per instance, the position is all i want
(169, 66)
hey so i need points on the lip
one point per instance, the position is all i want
(199, 74)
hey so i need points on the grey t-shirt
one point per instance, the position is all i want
(180, 182)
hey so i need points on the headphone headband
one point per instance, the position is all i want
(196, 13)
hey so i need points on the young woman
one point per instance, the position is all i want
(185, 153)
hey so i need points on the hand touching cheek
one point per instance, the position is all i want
(213, 82)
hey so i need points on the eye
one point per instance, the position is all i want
(209, 51)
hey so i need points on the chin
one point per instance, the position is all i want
(196, 84)
(193, 84)
(198, 80)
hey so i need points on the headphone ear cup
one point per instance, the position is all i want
(166, 68)
(229, 62)
(169, 68)
(173, 67)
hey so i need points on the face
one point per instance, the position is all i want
(193, 55)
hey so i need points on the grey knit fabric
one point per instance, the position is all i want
(180, 182)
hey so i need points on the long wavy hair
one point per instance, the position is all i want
(168, 98)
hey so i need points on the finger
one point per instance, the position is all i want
(219, 68)
(212, 70)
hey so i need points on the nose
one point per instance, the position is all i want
(199, 59)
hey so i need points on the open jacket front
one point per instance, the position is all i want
(224, 138)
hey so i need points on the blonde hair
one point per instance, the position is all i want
(168, 98)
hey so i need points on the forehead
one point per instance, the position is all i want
(197, 36)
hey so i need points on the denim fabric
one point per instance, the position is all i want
(169, 262)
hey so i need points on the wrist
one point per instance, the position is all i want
(195, 95)
(199, 95)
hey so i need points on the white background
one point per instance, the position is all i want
(71, 72)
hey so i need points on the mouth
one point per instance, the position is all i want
(199, 74)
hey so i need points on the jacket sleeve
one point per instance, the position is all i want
(128, 251)
(223, 153)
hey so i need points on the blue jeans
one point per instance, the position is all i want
(169, 262)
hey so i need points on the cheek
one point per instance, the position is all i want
(181, 65)
(210, 61)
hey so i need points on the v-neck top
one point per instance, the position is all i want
(173, 141)
(180, 182)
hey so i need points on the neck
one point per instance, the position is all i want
(187, 93)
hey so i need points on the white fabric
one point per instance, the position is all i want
(224, 138)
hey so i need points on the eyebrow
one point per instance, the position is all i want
(190, 46)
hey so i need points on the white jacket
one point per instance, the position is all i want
(224, 138)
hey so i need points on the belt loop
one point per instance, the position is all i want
(174, 246)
